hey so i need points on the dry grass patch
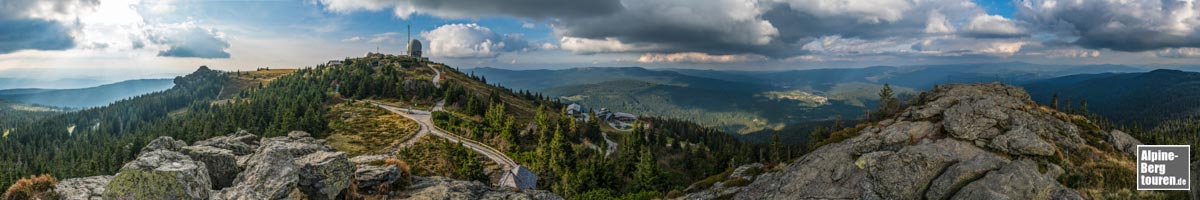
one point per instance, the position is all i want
(360, 128)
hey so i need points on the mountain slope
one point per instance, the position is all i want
(86, 97)
(1145, 98)
(980, 141)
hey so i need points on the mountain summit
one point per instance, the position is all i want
(978, 141)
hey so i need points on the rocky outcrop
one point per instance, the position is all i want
(160, 174)
(86, 188)
(242, 167)
(446, 188)
(978, 141)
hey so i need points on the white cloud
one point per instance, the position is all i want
(697, 57)
(992, 26)
(462, 9)
(528, 25)
(1187, 52)
(352, 39)
(938, 24)
(385, 38)
(1002, 48)
(588, 46)
(471, 41)
(548, 46)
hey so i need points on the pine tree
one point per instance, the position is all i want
(1054, 101)
(645, 177)
(1083, 107)
(887, 100)
(777, 152)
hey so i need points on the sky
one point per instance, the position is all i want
(127, 39)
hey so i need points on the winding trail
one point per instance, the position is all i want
(612, 146)
(424, 118)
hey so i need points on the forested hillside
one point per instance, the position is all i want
(659, 156)
(1145, 99)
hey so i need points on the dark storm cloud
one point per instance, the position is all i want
(774, 28)
(1118, 25)
(19, 30)
(22, 34)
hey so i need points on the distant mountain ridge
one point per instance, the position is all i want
(741, 101)
(85, 97)
(1146, 98)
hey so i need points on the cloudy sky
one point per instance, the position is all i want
(123, 39)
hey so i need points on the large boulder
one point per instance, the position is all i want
(367, 178)
(270, 174)
(323, 175)
(221, 163)
(160, 174)
(86, 188)
(520, 178)
(1124, 142)
(296, 161)
(240, 143)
